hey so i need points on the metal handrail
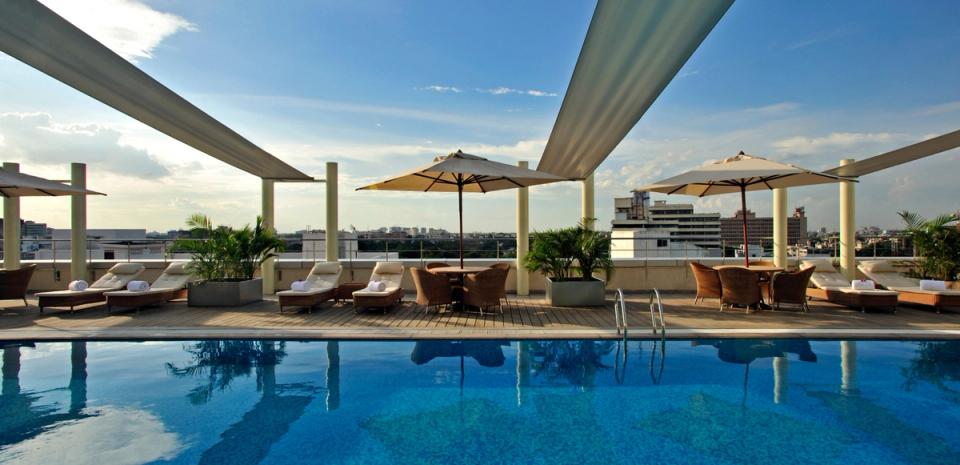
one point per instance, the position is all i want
(656, 306)
(620, 313)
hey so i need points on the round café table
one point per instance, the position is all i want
(766, 270)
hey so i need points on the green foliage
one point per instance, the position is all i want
(937, 246)
(562, 253)
(225, 253)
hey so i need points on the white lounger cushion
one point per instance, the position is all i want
(886, 275)
(918, 290)
(389, 273)
(828, 278)
(324, 276)
(173, 278)
(116, 278)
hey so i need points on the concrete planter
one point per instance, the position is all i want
(576, 293)
(225, 293)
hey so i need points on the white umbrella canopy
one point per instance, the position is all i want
(460, 172)
(741, 173)
(23, 185)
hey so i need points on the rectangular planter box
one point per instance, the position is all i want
(576, 293)
(225, 293)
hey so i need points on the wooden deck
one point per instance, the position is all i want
(522, 317)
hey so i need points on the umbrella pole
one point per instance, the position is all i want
(743, 211)
(460, 200)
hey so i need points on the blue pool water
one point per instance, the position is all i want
(489, 402)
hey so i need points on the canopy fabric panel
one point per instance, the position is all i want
(900, 156)
(24, 185)
(632, 50)
(33, 34)
(475, 174)
(741, 171)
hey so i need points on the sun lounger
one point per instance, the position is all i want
(320, 286)
(389, 273)
(885, 274)
(115, 280)
(833, 287)
(172, 284)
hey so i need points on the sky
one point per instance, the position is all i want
(384, 86)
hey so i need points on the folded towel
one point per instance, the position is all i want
(79, 285)
(862, 284)
(377, 286)
(932, 285)
(138, 286)
(299, 286)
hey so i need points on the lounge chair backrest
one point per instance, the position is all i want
(390, 273)
(825, 275)
(118, 276)
(324, 275)
(176, 276)
(885, 274)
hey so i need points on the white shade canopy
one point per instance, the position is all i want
(470, 172)
(740, 172)
(23, 185)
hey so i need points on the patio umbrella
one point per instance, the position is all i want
(23, 185)
(460, 172)
(741, 173)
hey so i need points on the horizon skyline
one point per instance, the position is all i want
(820, 88)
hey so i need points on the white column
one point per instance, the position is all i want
(78, 223)
(11, 226)
(848, 227)
(268, 268)
(523, 236)
(848, 367)
(780, 369)
(587, 211)
(780, 227)
(332, 247)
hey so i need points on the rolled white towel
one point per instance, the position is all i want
(863, 284)
(377, 286)
(932, 285)
(138, 286)
(78, 285)
(298, 286)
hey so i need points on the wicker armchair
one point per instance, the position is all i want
(433, 290)
(740, 287)
(483, 289)
(791, 288)
(13, 283)
(708, 282)
(505, 267)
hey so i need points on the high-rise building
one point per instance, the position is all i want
(663, 229)
(760, 229)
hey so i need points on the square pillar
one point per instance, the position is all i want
(780, 227)
(587, 205)
(11, 226)
(331, 242)
(848, 227)
(268, 268)
(78, 223)
(523, 236)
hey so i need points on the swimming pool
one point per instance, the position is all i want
(529, 402)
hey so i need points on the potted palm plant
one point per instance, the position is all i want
(225, 261)
(569, 258)
(936, 246)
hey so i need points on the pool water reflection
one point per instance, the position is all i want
(703, 401)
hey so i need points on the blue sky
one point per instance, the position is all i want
(382, 86)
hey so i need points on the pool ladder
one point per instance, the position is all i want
(656, 314)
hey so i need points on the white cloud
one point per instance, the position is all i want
(442, 89)
(130, 28)
(940, 109)
(509, 90)
(774, 108)
(802, 145)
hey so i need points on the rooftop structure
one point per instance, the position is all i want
(663, 229)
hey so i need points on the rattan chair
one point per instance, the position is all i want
(483, 289)
(740, 287)
(505, 267)
(790, 287)
(708, 282)
(433, 290)
(13, 283)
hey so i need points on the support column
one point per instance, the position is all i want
(523, 236)
(848, 227)
(11, 226)
(78, 223)
(780, 369)
(268, 268)
(331, 240)
(780, 227)
(848, 367)
(587, 211)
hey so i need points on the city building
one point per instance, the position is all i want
(760, 229)
(642, 230)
